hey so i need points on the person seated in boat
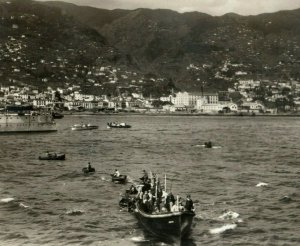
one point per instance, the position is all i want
(178, 206)
(189, 205)
(131, 204)
(145, 196)
(170, 200)
(133, 190)
(139, 195)
(151, 197)
(156, 208)
(175, 208)
(148, 207)
(117, 173)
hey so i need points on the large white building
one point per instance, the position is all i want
(185, 99)
(202, 102)
(209, 103)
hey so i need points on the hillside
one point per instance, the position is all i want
(190, 49)
(41, 46)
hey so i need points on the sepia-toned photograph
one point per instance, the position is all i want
(149, 122)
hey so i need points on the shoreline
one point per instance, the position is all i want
(86, 113)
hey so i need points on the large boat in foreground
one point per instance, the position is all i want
(20, 118)
(171, 225)
(158, 211)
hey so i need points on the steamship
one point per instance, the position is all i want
(24, 118)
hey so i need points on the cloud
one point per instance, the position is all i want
(213, 7)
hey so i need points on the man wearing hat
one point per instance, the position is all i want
(189, 205)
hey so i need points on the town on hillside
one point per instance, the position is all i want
(248, 97)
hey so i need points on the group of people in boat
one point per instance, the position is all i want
(117, 124)
(153, 199)
(208, 144)
(52, 154)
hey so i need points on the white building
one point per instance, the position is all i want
(181, 99)
(209, 103)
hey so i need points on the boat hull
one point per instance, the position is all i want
(119, 126)
(27, 128)
(84, 128)
(119, 180)
(9, 131)
(171, 226)
(52, 157)
(85, 170)
(26, 123)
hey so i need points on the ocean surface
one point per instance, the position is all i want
(246, 189)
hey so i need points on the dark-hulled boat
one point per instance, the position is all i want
(171, 225)
(119, 180)
(87, 170)
(57, 115)
(52, 156)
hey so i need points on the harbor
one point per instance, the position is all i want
(232, 186)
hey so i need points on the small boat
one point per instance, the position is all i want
(118, 125)
(82, 127)
(119, 180)
(57, 115)
(52, 156)
(86, 170)
(208, 144)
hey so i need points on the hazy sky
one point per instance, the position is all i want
(213, 7)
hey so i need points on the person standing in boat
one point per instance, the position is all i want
(89, 167)
(145, 176)
(117, 173)
(170, 200)
(189, 205)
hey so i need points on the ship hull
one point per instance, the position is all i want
(26, 123)
(26, 130)
(171, 226)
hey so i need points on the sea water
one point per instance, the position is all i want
(245, 189)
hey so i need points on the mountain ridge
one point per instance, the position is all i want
(190, 48)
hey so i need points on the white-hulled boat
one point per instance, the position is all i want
(22, 118)
(82, 127)
(118, 125)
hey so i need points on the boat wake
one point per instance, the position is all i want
(139, 239)
(261, 184)
(22, 205)
(7, 200)
(213, 147)
(229, 215)
(13, 202)
(222, 229)
(103, 178)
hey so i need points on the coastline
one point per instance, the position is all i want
(178, 114)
